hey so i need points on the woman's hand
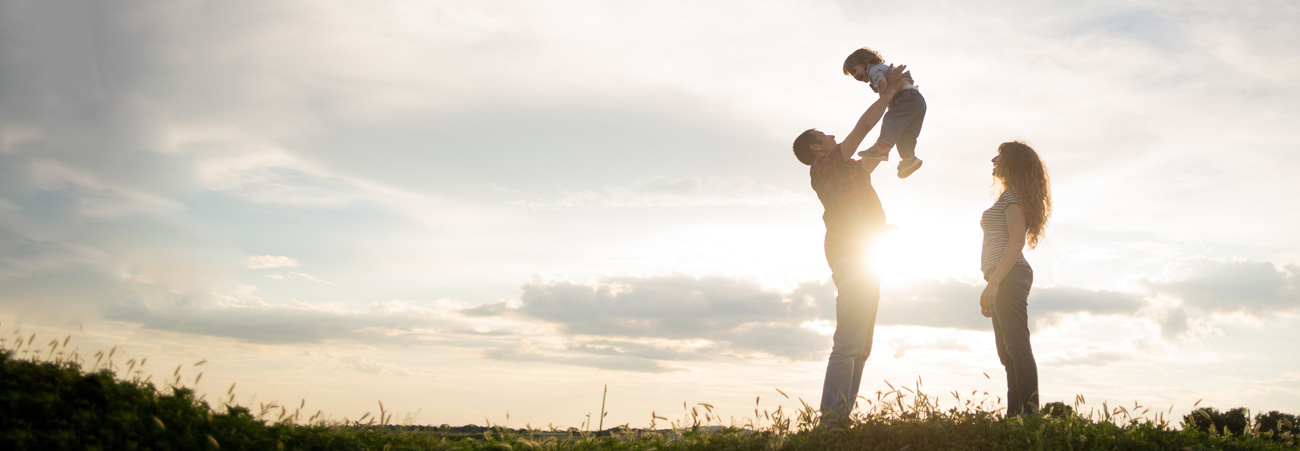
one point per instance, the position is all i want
(986, 299)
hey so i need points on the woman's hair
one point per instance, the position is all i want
(861, 57)
(1020, 170)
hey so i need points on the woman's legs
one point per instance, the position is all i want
(1011, 331)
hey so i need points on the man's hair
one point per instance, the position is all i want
(803, 146)
(861, 57)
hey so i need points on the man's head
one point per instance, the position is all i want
(812, 144)
(856, 64)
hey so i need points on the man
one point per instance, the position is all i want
(853, 217)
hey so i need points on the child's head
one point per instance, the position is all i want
(859, 60)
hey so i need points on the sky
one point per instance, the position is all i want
(493, 211)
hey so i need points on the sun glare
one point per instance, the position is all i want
(909, 253)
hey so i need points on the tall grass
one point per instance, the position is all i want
(53, 397)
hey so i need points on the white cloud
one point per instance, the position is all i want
(1257, 288)
(667, 192)
(271, 261)
(310, 277)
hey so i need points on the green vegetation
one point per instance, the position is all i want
(47, 401)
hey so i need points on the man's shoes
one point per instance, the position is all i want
(908, 166)
(875, 153)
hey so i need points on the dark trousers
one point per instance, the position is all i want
(1011, 332)
(902, 123)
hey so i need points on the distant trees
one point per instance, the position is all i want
(1274, 424)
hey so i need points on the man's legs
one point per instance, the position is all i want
(855, 321)
(1011, 330)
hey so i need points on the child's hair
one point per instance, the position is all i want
(861, 57)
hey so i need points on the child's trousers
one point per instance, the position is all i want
(902, 123)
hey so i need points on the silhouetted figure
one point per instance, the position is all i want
(1017, 217)
(853, 217)
(906, 111)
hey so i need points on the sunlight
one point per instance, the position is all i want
(912, 252)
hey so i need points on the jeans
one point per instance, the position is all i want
(1011, 332)
(856, 304)
(902, 123)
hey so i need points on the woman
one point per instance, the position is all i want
(1015, 219)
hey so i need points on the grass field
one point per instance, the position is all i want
(50, 400)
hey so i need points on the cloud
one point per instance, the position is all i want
(271, 261)
(662, 191)
(729, 317)
(1256, 288)
(243, 316)
(902, 345)
(1088, 358)
(310, 277)
(615, 362)
(677, 306)
(953, 304)
(677, 317)
(650, 324)
(368, 365)
(738, 317)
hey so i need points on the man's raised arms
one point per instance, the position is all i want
(877, 109)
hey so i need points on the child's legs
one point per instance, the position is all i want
(902, 111)
(907, 142)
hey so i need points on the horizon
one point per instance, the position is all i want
(497, 209)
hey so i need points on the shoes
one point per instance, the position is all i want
(908, 166)
(875, 153)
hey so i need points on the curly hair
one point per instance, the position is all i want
(861, 57)
(1020, 170)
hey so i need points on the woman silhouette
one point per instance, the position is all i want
(1017, 218)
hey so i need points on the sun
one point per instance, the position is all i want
(909, 252)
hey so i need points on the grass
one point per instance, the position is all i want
(48, 400)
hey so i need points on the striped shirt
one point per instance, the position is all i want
(994, 223)
(853, 211)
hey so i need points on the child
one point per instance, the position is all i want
(902, 122)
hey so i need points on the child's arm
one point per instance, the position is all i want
(869, 119)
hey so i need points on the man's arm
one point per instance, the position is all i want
(872, 116)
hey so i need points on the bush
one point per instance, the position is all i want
(1209, 419)
(1058, 409)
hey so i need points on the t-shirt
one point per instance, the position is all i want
(853, 212)
(994, 223)
(876, 73)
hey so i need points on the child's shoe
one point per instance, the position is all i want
(908, 166)
(875, 153)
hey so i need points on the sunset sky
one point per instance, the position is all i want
(489, 210)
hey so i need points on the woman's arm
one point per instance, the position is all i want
(1015, 215)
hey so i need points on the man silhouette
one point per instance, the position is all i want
(853, 217)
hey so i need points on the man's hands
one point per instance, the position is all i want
(869, 119)
(894, 81)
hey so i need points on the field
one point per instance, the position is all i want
(48, 400)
